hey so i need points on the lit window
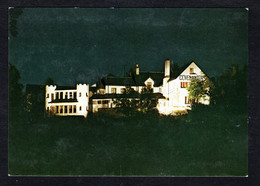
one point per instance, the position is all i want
(94, 102)
(113, 90)
(184, 84)
(187, 100)
(122, 90)
(191, 70)
(149, 84)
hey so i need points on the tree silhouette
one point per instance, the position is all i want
(147, 102)
(14, 14)
(129, 102)
(15, 93)
(231, 86)
(49, 81)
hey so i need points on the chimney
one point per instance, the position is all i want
(167, 68)
(136, 69)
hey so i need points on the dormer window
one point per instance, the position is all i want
(149, 84)
(191, 70)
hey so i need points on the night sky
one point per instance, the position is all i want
(76, 45)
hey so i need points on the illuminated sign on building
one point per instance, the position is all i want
(188, 77)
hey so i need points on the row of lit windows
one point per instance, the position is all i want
(68, 95)
(64, 109)
(113, 90)
(101, 102)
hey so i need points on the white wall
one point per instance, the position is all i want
(175, 94)
(49, 90)
(83, 100)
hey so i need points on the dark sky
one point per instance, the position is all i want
(76, 45)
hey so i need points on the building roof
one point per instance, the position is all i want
(177, 72)
(118, 96)
(181, 69)
(157, 77)
(123, 81)
(63, 100)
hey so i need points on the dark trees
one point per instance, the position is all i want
(14, 14)
(147, 102)
(15, 93)
(133, 102)
(49, 81)
(128, 103)
(231, 86)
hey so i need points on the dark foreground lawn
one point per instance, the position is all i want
(209, 141)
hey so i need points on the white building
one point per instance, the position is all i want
(67, 101)
(170, 90)
(175, 89)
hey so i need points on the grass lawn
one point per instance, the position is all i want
(207, 142)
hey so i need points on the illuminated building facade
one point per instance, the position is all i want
(67, 101)
(170, 90)
(175, 89)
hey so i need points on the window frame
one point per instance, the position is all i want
(113, 90)
(184, 84)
